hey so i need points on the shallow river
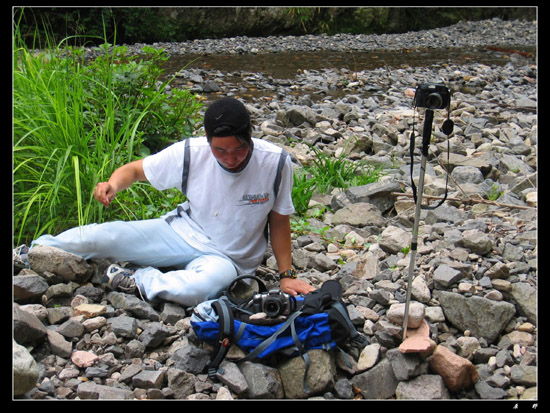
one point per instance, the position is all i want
(286, 65)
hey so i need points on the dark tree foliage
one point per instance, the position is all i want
(85, 25)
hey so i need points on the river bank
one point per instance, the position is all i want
(476, 278)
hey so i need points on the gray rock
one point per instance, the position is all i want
(445, 213)
(25, 370)
(476, 241)
(376, 193)
(148, 379)
(180, 382)
(124, 326)
(360, 215)
(69, 266)
(486, 391)
(92, 390)
(467, 174)
(444, 276)
(133, 305)
(524, 375)
(27, 328)
(320, 375)
(264, 382)
(343, 389)
(171, 313)
(28, 288)
(394, 239)
(405, 366)
(425, 387)
(525, 297)
(59, 345)
(72, 328)
(377, 383)
(230, 375)
(483, 317)
(154, 334)
(190, 359)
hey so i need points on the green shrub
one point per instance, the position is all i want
(326, 173)
(76, 121)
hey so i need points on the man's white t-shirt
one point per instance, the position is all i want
(226, 212)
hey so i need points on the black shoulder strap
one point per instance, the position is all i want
(280, 166)
(225, 336)
(276, 184)
(185, 170)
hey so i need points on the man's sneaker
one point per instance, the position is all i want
(21, 256)
(119, 279)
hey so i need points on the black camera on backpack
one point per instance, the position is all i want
(432, 96)
(274, 303)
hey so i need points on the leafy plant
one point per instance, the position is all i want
(302, 191)
(323, 175)
(330, 172)
(75, 122)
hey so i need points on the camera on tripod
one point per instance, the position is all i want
(274, 303)
(432, 96)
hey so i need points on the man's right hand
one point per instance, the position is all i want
(121, 179)
(104, 193)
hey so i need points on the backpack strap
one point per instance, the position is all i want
(185, 169)
(225, 336)
(277, 184)
(224, 307)
(268, 341)
(278, 175)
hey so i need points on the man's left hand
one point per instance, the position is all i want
(294, 286)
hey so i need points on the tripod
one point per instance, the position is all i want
(426, 134)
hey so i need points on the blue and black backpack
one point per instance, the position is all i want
(273, 322)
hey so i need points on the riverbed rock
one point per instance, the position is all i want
(320, 375)
(483, 317)
(70, 267)
(457, 372)
(25, 370)
(425, 387)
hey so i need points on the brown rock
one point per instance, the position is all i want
(457, 372)
(83, 359)
(418, 340)
(90, 310)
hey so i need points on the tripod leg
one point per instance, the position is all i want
(426, 134)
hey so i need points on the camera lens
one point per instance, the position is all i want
(434, 101)
(272, 307)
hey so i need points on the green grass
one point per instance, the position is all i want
(327, 172)
(76, 121)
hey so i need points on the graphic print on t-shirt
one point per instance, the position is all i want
(254, 199)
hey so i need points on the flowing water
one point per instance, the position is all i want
(286, 65)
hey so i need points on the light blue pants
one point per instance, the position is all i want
(152, 243)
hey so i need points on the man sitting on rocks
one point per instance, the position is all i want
(235, 186)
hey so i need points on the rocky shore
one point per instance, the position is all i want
(474, 293)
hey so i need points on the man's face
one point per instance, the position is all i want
(229, 152)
